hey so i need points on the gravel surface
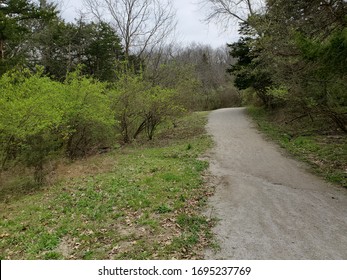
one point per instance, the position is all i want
(268, 205)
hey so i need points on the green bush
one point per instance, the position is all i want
(88, 119)
(40, 118)
(140, 107)
(31, 111)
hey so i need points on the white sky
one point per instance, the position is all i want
(190, 27)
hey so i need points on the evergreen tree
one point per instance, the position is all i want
(15, 28)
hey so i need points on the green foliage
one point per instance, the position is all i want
(32, 34)
(40, 118)
(297, 59)
(88, 117)
(125, 103)
(249, 71)
(64, 46)
(326, 154)
(184, 81)
(139, 107)
(16, 17)
(159, 105)
(162, 209)
(325, 79)
(196, 74)
(242, 51)
(103, 51)
(31, 112)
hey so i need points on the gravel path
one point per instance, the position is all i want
(268, 205)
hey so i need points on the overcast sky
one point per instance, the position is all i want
(190, 28)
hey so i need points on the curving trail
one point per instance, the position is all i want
(269, 206)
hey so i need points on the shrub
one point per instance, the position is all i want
(88, 119)
(40, 118)
(31, 111)
(139, 107)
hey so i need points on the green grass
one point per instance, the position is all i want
(144, 203)
(326, 154)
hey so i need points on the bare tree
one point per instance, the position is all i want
(225, 12)
(142, 24)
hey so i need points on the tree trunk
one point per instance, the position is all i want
(140, 129)
(2, 50)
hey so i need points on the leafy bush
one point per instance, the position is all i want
(31, 109)
(40, 118)
(88, 117)
(139, 107)
(158, 105)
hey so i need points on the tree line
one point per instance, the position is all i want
(72, 89)
(292, 56)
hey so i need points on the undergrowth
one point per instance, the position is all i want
(141, 201)
(325, 152)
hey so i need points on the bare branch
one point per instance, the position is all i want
(141, 24)
(229, 12)
(94, 8)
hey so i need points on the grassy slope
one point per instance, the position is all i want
(142, 202)
(326, 154)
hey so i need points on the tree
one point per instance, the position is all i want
(303, 42)
(249, 70)
(103, 52)
(61, 47)
(182, 78)
(196, 73)
(226, 12)
(127, 104)
(142, 24)
(293, 55)
(15, 20)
